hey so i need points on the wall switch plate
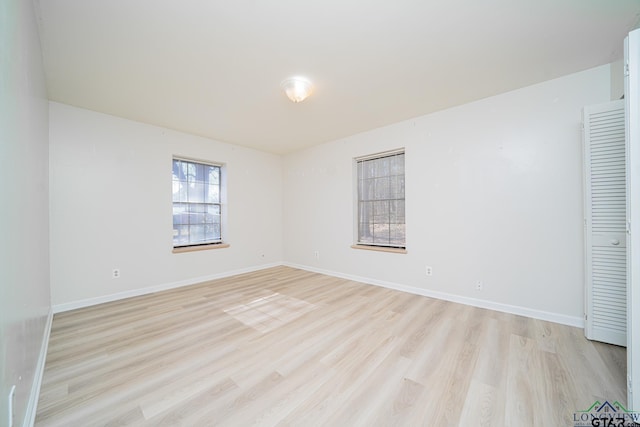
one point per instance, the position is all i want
(316, 254)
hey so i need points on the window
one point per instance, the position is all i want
(196, 203)
(380, 207)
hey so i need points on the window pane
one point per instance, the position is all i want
(382, 188)
(381, 213)
(180, 214)
(195, 192)
(396, 234)
(367, 188)
(181, 235)
(396, 214)
(366, 233)
(366, 211)
(382, 167)
(209, 233)
(396, 187)
(199, 175)
(183, 194)
(196, 198)
(213, 214)
(381, 233)
(397, 165)
(197, 214)
(369, 169)
(381, 209)
(214, 230)
(197, 234)
(366, 221)
(214, 175)
(175, 188)
(189, 171)
(213, 194)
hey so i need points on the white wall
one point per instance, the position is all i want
(617, 80)
(111, 194)
(494, 193)
(24, 253)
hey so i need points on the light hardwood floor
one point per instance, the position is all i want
(293, 348)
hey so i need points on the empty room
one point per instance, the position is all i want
(319, 213)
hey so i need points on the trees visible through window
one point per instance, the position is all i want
(381, 210)
(196, 203)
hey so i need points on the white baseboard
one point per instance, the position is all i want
(32, 404)
(491, 305)
(59, 308)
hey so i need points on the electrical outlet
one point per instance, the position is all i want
(10, 404)
(115, 274)
(429, 271)
(479, 285)
(316, 254)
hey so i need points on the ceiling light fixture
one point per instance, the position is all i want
(297, 88)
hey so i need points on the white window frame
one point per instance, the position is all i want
(360, 243)
(207, 244)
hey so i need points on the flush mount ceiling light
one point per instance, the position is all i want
(297, 88)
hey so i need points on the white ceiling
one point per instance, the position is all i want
(214, 67)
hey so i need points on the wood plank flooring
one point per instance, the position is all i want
(288, 347)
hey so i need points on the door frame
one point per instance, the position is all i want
(632, 101)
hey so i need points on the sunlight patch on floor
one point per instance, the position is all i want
(270, 312)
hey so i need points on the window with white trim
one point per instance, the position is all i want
(197, 209)
(381, 203)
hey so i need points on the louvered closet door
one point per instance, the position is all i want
(605, 225)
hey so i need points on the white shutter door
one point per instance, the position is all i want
(605, 211)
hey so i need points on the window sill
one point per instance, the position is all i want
(380, 249)
(200, 248)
